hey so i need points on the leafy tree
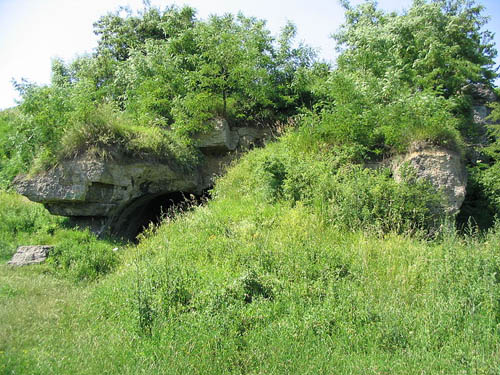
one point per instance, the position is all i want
(438, 44)
(241, 72)
(400, 78)
(166, 70)
(226, 66)
(39, 124)
(121, 31)
(294, 70)
(151, 79)
(234, 58)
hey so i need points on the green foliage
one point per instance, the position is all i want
(300, 247)
(23, 223)
(106, 132)
(226, 66)
(233, 61)
(10, 163)
(121, 31)
(250, 277)
(379, 116)
(35, 128)
(156, 79)
(435, 44)
(398, 81)
(493, 148)
(400, 77)
(487, 173)
(484, 176)
(491, 182)
(152, 80)
(80, 256)
(372, 200)
(478, 209)
(344, 195)
(194, 112)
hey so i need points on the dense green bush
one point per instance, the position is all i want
(440, 45)
(33, 130)
(490, 179)
(80, 256)
(482, 203)
(77, 255)
(157, 78)
(10, 161)
(23, 223)
(383, 120)
(345, 195)
(485, 174)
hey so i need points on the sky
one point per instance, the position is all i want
(33, 32)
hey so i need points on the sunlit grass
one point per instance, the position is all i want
(234, 287)
(255, 282)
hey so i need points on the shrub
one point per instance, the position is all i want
(361, 110)
(478, 209)
(23, 223)
(98, 131)
(106, 132)
(192, 113)
(359, 198)
(490, 179)
(80, 256)
(342, 193)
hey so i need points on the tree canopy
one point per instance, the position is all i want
(399, 78)
(439, 44)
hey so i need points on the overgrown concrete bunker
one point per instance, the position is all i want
(122, 195)
(119, 197)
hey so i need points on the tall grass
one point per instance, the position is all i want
(78, 255)
(236, 288)
(303, 262)
(268, 288)
(22, 222)
(252, 286)
(106, 132)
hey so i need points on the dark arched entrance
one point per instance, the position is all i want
(151, 209)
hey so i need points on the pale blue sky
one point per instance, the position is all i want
(32, 32)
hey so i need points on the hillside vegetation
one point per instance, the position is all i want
(303, 261)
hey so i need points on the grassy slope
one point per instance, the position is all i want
(251, 285)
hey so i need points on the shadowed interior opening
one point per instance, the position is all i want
(476, 212)
(152, 209)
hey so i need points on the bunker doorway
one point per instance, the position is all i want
(151, 210)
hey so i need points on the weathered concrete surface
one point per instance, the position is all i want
(99, 193)
(87, 187)
(26, 255)
(482, 96)
(443, 168)
(222, 138)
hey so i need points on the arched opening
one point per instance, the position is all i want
(476, 212)
(152, 209)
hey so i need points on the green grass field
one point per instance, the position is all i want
(248, 286)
